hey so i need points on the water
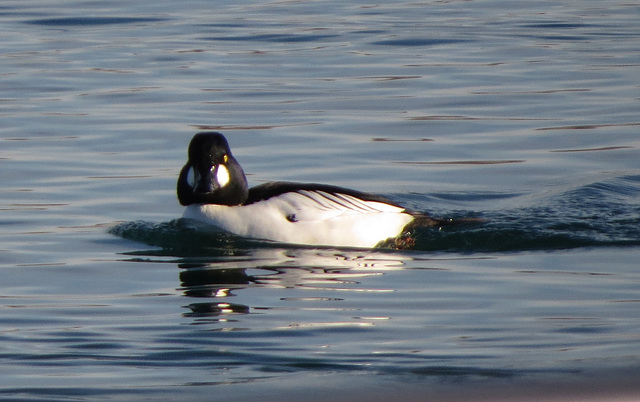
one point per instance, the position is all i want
(522, 114)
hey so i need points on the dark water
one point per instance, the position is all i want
(523, 115)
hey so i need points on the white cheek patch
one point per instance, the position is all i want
(191, 178)
(222, 175)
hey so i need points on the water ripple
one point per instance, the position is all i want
(91, 21)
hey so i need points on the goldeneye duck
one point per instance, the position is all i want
(213, 187)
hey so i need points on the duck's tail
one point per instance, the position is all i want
(406, 240)
(422, 220)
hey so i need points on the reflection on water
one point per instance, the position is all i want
(279, 268)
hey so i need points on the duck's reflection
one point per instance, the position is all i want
(217, 279)
(207, 280)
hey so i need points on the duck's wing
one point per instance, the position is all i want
(301, 202)
(314, 191)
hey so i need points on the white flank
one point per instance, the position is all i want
(308, 217)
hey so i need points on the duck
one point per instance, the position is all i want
(213, 187)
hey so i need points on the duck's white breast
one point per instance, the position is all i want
(308, 217)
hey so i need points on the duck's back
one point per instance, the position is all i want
(308, 214)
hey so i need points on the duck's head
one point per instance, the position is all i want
(212, 175)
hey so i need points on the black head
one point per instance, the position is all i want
(212, 175)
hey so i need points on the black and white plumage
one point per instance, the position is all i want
(213, 187)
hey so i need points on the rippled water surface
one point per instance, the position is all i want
(524, 115)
